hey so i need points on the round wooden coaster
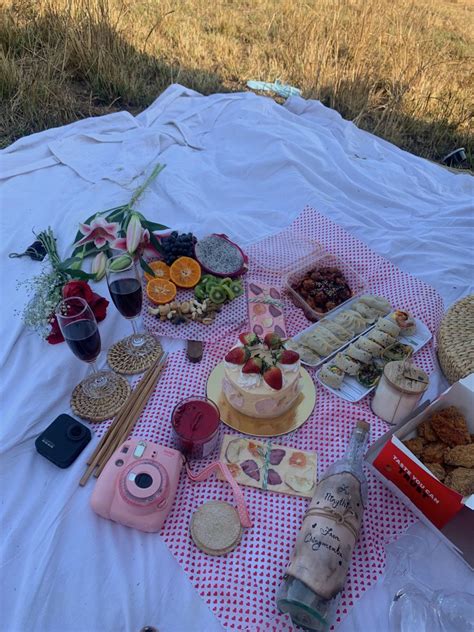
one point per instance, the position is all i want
(100, 409)
(215, 528)
(122, 361)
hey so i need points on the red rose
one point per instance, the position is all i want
(55, 335)
(78, 288)
(97, 303)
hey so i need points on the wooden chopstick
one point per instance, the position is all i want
(116, 431)
(123, 413)
(120, 418)
(132, 417)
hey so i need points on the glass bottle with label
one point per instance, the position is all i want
(320, 560)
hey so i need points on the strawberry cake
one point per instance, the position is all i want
(261, 378)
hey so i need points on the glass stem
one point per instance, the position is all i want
(135, 326)
(94, 367)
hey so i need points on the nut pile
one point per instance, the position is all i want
(183, 312)
(445, 446)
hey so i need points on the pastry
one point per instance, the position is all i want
(381, 338)
(460, 455)
(339, 331)
(369, 374)
(450, 426)
(397, 351)
(324, 345)
(376, 302)
(331, 375)
(358, 354)
(388, 327)
(369, 314)
(372, 347)
(351, 320)
(461, 480)
(406, 322)
(261, 378)
(346, 364)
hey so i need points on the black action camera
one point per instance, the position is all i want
(63, 440)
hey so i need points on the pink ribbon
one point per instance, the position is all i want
(238, 496)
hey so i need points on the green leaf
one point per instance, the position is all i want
(79, 274)
(67, 263)
(146, 267)
(86, 250)
(153, 225)
(155, 243)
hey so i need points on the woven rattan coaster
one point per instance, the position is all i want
(456, 340)
(99, 409)
(122, 361)
(215, 528)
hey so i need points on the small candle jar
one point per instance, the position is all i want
(399, 391)
(196, 422)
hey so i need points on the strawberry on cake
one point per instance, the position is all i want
(261, 378)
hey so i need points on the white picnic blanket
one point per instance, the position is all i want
(236, 163)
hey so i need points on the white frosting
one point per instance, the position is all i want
(249, 380)
(289, 368)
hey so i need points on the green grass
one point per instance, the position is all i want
(398, 69)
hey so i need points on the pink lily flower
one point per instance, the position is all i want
(100, 231)
(144, 248)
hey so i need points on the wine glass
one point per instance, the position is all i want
(125, 287)
(79, 328)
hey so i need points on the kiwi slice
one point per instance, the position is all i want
(207, 277)
(228, 291)
(227, 281)
(236, 287)
(210, 284)
(217, 295)
(200, 292)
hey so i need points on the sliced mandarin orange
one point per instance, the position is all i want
(160, 291)
(160, 269)
(185, 272)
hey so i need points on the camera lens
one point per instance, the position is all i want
(143, 480)
(75, 432)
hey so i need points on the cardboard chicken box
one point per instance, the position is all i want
(445, 510)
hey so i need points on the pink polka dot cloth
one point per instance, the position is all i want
(240, 587)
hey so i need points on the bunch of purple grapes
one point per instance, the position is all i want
(177, 245)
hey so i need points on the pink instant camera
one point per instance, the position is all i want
(138, 485)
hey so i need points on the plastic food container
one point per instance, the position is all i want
(356, 282)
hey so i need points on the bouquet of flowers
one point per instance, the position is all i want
(121, 227)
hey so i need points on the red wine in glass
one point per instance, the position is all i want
(127, 296)
(125, 287)
(82, 337)
(79, 328)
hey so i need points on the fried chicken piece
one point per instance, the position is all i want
(426, 431)
(460, 455)
(461, 480)
(415, 445)
(434, 452)
(450, 426)
(437, 469)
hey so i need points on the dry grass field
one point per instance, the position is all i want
(401, 69)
